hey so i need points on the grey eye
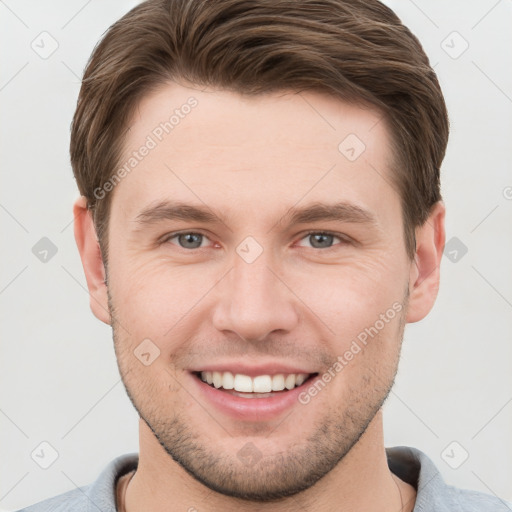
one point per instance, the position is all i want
(189, 240)
(321, 240)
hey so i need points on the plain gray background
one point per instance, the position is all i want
(59, 378)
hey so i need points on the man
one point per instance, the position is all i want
(260, 216)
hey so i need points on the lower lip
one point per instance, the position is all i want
(251, 409)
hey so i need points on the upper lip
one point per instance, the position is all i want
(271, 368)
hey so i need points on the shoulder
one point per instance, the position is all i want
(453, 499)
(72, 500)
(100, 495)
(433, 493)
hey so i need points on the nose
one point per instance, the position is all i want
(255, 301)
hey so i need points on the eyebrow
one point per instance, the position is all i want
(315, 212)
(344, 212)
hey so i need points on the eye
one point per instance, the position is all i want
(322, 239)
(193, 240)
(186, 240)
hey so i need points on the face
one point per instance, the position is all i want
(258, 238)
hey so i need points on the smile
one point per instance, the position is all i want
(260, 386)
(231, 393)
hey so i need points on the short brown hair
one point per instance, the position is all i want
(357, 50)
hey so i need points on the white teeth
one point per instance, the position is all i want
(262, 384)
(278, 382)
(243, 383)
(259, 384)
(217, 379)
(289, 382)
(300, 379)
(228, 382)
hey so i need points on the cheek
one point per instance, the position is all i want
(156, 293)
(153, 298)
(366, 358)
(349, 298)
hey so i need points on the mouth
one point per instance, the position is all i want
(259, 386)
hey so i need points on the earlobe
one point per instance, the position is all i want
(90, 254)
(425, 269)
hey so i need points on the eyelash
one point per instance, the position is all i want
(343, 238)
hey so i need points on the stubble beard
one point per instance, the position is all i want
(275, 476)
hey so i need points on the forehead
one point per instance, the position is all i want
(214, 145)
(205, 116)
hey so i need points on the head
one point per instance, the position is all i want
(260, 187)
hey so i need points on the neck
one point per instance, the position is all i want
(361, 481)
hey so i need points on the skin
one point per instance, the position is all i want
(250, 160)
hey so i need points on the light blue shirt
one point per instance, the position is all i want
(409, 464)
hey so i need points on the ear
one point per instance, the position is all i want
(90, 254)
(424, 273)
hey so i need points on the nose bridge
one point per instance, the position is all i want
(253, 301)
